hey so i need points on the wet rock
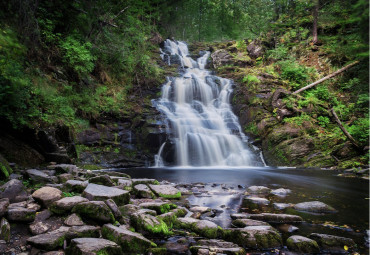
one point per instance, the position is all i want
(281, 206)
(39, 227)
(129, 209)
(83, 231)
(143, 191)
(281, 192)
(75, 186)
(93, 246)
(65, 177)
(114, 208)
(276, 218)
(256, 200)
(38, 176)
(21, 214)
(4, 203)
(214, 246)
(14, 191)
(47, 195)
(128, 240)
(102, 180)
(148, 224)
(314, 207)
(95, 210)
(254, 237)
(178, 245)
(73, 220)
(236, 216)
(166, 191)
(258, 190)
(66, 204)
(4, 230)
(100, 192)
(202, 227)
(200, 209)
(159, 207)
(302, 244)
(144, 181)
(241, 223)
(124, 184)
(221, 58)
(49, 241)
(287, 228)
(331, 242)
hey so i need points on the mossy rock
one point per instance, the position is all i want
(302, 244)
(148, 224)
(94, 210)
(6, 170)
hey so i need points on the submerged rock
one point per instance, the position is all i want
(93, 246)
(302, 244)
(241, 223)
(100, 192)
(281, 192)
(315, 207)
(281, 206)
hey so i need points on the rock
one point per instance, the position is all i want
(75, 186)
(202, 227)
(236, 216)
(129, 209)
(73, 220)
(102, 180)
(4, 203)
(255, 204)
(241, 223)
(21, 214)
(258, 190)
(38, 176)
(166, 191)
(39, 227)
(330, 242)
(168, 218)
(256, 200)
(280, 192)
(43, 215)
(221, 58)
(281, 206)
(302, 244)
(314, 207)
(4, 230)
(178, 245)
(114, 208)
(144, 181)
(64, 168)
(66, 204)
(143, 191)
(200, 209)
(124, 184)
(83, 231)
(159, 207)
(65, 177)
(254, 237)
(276, 218)
(128, 240)
(100, 192)
(214, 246)
(49, 241)
(14, 191)
(255, 49)
(47, 195)
(95, 210)
(148, 224)
(287, 228)
(93, 246)
(52, 253)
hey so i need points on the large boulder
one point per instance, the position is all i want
(302, 244)
(159, 207)
(50, 240)
(47, 195)
(66, 204)
(204, 228)
(314, 207)
(128, 240)
(75, 186)
(100, 192)
(93, 246)
(14, 191)
(221, 58)
(143, 191)
(242, 223)
(94, 210)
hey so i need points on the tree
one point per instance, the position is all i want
(315, 15)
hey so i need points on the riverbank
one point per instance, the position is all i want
(63, 209)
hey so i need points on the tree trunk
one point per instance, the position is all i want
(315, 16)
(345, 132)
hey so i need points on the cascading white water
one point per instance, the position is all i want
(201, 124)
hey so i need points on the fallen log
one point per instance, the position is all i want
(325, 78)
(344, 130)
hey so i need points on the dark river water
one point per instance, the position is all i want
(349, 196)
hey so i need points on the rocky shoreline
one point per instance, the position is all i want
(63, 209)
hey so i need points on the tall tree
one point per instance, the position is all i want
(315, 15)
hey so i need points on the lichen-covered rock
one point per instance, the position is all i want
(73, 220)
(83, 231)
(128, 240)
(65, 177)
(159, 207)
(302, 244)
(241, 223)
(102, 180)
(331, 242)
(143, 191)
(102, 193)
(215, 246)
(114, 208)
(47, 195)
(148, 224)
(4, 230)
(204, 228)
(75, 186)
(258, 190)
(66, 204)
(95, 210)
(166, 191)
(93, 246)
(124, 184)
(314, 207)
(21, 214)
(4, 203)
(277, 218)
(14, 190)
(254, 237)
(50, 240)
(39, 227)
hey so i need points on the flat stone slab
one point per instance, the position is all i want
(258, 190)
(93, 246)
(148, 224)
(47, 195)
(144, 181)
(124, 184)
(302, 244)
(128, 240)
(39, 227)
(159, 207)
(200, 209)
(143, 191)
(280, 192)
(215, 246)
(204, 228)
(66, 204)
(277, 218)
(331, 241)
(38, 176)
(75, 185)
(83, 231)
(100, 192)
(314, 207)
(95, 210)
(21, 214)
(241, 223)
(166, 191)
(49, 241)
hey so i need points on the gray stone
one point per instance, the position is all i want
(287, 228)
(14, 191)
(236, 216)
(148, 224)
(241, 223)
(4, 230)
(91, 246)
(257, 200)
(102, 180)
(128, 240)
(21, 214)
(75, 186)
(83, 231)
(331, 241)
(206, 228)
(100, 192)
(47, 195)
(276, 218)
(214, 246)
(220, 58)
(52, 253)
(66, 204)
(258, 190)
(64, 168)
(200, 209)
(114, 208)
(302, 244)
(124, 184)
(129, 209)
(39, 228)
(281, 206)
(144, 181)
(73, 220)
(314, 207)
(38, 176)
(143, 191)
(166, 191)
(43, 215)
(280, 192)
(159, 207)
(50, 240)
(4, 203)
(65, 177)
(95, 210)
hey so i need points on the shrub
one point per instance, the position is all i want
(323, 121)
(251, 79)
(295, 73)
(360, 130)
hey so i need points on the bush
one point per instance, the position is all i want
(251, 79)
(295, 73)
(360, 130)
(323, 121)
(279, 53)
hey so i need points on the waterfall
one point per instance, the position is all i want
(200, 123)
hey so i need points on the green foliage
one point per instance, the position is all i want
(298, 120)
(69, 194)
(360, 130)
(323, 121)
(295, 73)
(251, 79)
(279, 53)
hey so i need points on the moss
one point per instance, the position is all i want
(158, 251)
(175, 196)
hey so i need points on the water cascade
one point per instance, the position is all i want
(200, 123)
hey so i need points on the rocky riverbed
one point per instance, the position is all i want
(63, 209)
